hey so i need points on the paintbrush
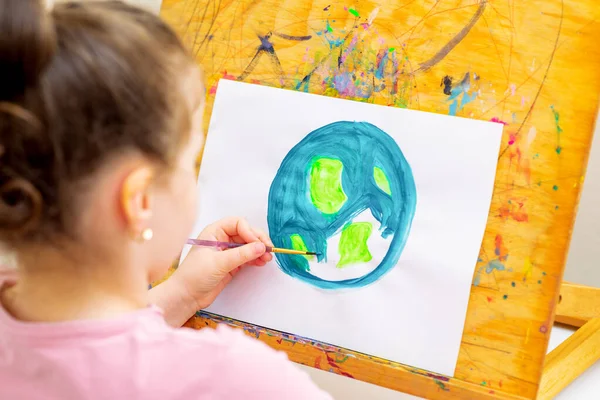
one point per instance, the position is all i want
(228, 245)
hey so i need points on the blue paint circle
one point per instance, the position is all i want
(360, 147)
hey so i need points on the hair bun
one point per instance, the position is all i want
(20, 208)
(27, 44)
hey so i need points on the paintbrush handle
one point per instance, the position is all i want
(228, 245)
(220, 245)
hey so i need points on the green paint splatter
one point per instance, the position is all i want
(392, 49)
(381, 180)
(341, 360)
(505, 297)
(556, 207)
(329, 28)
(513, 284)
(353, 244)
(539, 282)
(441, 385)
(298, 244)
(354, 12)
(556, 120)
(558, 129)
(555, 187)
(483, 383)
(543, 273)
(326, 190)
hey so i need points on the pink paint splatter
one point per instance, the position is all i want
(513, 89)
(499, 121)
(228, 76)
(349, 49)
(543, 329)
(511, 139)
(213, 89)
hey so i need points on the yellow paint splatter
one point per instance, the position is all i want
(527, 268)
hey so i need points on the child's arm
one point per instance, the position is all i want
(206, 271)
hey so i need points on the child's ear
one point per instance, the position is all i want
(136, 200)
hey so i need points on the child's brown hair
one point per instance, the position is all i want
(79, 85)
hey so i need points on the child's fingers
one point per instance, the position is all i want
(230, 259)
(228, 228)
(263, 237)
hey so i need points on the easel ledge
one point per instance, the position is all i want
(579, 306)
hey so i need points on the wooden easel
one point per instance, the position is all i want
(578, 306)
(470, 58)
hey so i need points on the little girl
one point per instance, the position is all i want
(100, 124)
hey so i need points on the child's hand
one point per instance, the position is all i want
(206, 271)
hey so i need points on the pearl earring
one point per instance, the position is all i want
(147, 234)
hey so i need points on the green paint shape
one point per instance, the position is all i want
(329, 28)
(326, 190)
(298, 244)
(353, 247)
(381, 180)
(555, 187)
(353, 12)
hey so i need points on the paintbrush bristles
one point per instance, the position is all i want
(293, 252)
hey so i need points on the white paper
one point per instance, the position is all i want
(415, 313)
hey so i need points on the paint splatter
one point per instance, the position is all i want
(514, 209)
(461, 94)
(559, 129)
(499, 121)
(500, 250)
(447, 85)
(505, 297)
(555, 187)
(372, 16)
(354, 12)
(543, 329)
(494, 265)
(441, 385)
(530, 137)
(513, 284)
(287, 215)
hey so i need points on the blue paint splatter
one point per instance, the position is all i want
(494, 265)
(460, 89)
(382, 64)
(360, 147)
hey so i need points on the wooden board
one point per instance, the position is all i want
(532, 65)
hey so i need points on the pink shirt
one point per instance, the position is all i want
(138, 356)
